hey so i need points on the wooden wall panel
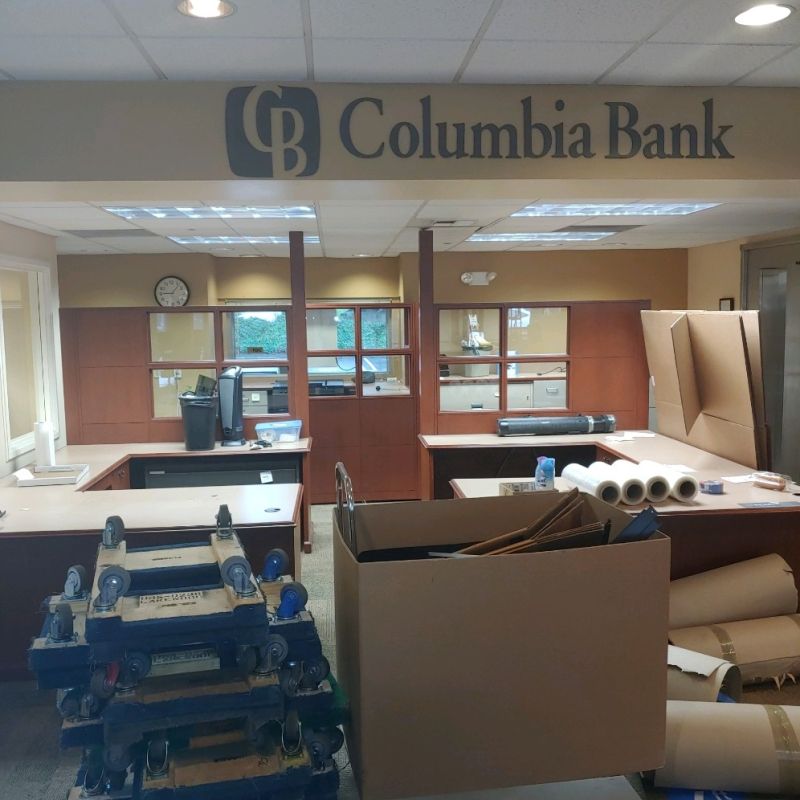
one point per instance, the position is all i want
(322, 487)
(112, 337)
(598, 384)
(70, 363)
(117, 433)
(334, 421)
(388, 421)
(599, 330)
(114, 395)
(389, 473)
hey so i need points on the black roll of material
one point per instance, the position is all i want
(541, 426)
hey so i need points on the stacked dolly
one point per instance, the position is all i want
(182, 675)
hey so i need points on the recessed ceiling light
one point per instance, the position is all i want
(206, 9)
(552, 236)
(612, 209)
(765, 14)
(239, 239)
(212, 212)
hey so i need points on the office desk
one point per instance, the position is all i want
(48, 528)
(712, 530)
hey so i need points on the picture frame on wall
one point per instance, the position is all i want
(726, 304)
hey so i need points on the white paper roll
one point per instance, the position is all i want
(656, 486)
(579, 476)
(682, 487)
(632, 491)
(45, 444)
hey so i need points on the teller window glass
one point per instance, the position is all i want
(536, 331)
(331, 328)
(385, 376)
(469, 332)
(169, 384)
(182, 336)
(469, 387)
(332, 376)
(383, 328)
(255, 335)
(265, 390)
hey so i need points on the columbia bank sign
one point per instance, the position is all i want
(277, 132)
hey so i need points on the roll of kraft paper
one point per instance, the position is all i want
(760, 587)
(763, 649)
(700, 677)
(682, 487)
(579, 476)
(45, 444)
(656, 485)
(732, 747)
(631, 489)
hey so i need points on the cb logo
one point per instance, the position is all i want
(272, 134)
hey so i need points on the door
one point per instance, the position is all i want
(772, 285)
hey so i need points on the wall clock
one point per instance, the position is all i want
(171, 291)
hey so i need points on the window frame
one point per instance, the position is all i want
(220, 362)
(46, 385)
(503, 359)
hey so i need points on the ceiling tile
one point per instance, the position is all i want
(72, 58)
(481, 211)
(140, 245)
(784, 71)
(712, 22)
(228, 58)
(272, 227)
(68, 245)
(389, 19)
(363, 215)
(385, 60)
(579, 20)
(253, 18)
(57, 18)
(690, 65)
(541, 62)
(536, 224)
(186, 227)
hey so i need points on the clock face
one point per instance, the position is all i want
(171, 291)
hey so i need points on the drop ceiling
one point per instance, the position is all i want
(387, 228)
(680, 42)
(651, 42)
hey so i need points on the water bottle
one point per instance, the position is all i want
(545, 475)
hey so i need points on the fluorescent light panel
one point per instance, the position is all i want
(765, 14)
(213, 212)
(612, 209)
(239, 239)
(552, 236)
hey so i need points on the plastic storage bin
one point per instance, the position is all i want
(199, 420)
(283, 431)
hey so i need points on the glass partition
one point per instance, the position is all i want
(469, 332)
(331, 328)
(168, 384)
(331, 376)
(385, 376)
(182, 337)
(265, 390)
(383, 328)
(536, 331)
(254, 335)
(469, 387)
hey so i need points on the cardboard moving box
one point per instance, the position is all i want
(478, 673)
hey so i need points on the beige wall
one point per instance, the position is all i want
(715, 270)
(352, 278)
(129, 280)
(656, 275)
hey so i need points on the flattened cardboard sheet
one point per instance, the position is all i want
(732, 747)
(760, 587)
(700, 677)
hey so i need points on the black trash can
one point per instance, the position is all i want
(199, 420)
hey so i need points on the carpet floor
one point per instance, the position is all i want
(33, 768)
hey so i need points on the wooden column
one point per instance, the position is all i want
(298, 367)
(428, 349)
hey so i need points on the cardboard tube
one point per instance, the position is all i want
(760, 587)
(732, 747)
(682, 486)
(700, 677)
(631, 489)
(578, 475)
(656, 486)
(763, 649)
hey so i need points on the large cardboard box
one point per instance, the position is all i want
(708, 381)
(469, 674)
